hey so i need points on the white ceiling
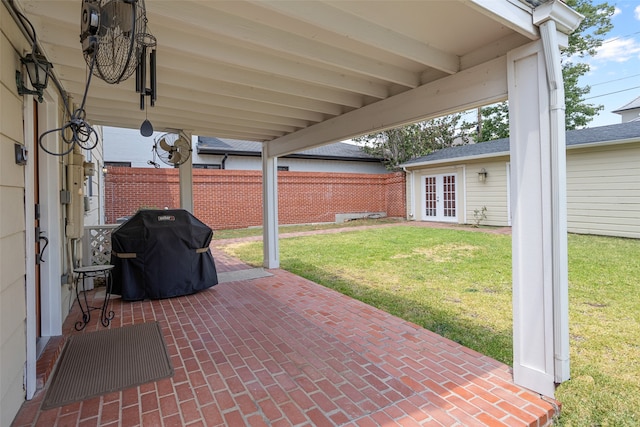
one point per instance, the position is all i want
(262, 70)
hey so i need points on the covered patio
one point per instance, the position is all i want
(284, 351)
(295, 75)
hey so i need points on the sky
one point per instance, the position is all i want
(615, 70)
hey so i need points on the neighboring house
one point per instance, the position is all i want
(340, 157)
(94, 185)
(630, 112)
(603, 182)
(126, 147)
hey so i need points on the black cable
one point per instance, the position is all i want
(614, 80)
(611, 93)
(81, 132)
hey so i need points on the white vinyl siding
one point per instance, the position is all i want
(491, 193)
(603, 190)
(12, 229)
(471, 194)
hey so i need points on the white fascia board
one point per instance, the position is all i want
(480, 85)
(418, 165)
(512, 14)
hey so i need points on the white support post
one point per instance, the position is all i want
(271, 251)
(535, 194)
(185, 174)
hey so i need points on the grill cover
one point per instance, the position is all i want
(161, 254)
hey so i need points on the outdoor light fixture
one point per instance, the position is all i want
(38, 70)
(482, 175)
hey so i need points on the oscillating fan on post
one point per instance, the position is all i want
(172, 149)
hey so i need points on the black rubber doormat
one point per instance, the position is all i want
(100, 362)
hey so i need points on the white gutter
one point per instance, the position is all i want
(604, 144)
(456, 159)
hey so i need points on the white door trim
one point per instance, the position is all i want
(30, 248)
(50, 222)
(51, 225)
(440, 207)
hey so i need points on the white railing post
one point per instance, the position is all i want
(96, 244)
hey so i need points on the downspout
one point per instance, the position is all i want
(224, 160)
(550, 45)
(410, 204)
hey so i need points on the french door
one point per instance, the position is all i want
(439, 198)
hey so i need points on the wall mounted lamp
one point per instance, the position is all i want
(38, 70)
(482, 175)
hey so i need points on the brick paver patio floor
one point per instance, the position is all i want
(284, 351)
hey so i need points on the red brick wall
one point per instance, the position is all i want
(226, 199)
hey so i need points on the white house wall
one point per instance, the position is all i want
(19, 344)
(94, 185)
(630, 115)
(12, 228)
(294, 165)
(472, 194)
(603, 188)
(491, 193)
(127, 145)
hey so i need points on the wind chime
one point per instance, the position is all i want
(149, 42)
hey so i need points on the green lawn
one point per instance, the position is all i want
(257, 231)
(458, 284)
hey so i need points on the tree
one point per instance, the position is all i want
(399, 145)
(582, 42)
(405, 143)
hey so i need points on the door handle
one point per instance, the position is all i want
(39, 256)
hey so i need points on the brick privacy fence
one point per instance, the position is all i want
(225, 199)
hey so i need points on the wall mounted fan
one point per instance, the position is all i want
(172, 149)
(113, 34)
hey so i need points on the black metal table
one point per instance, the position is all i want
(88, 272)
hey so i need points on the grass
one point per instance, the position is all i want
(458, 284)
(257, 231)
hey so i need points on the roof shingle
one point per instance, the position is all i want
(601, 134)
